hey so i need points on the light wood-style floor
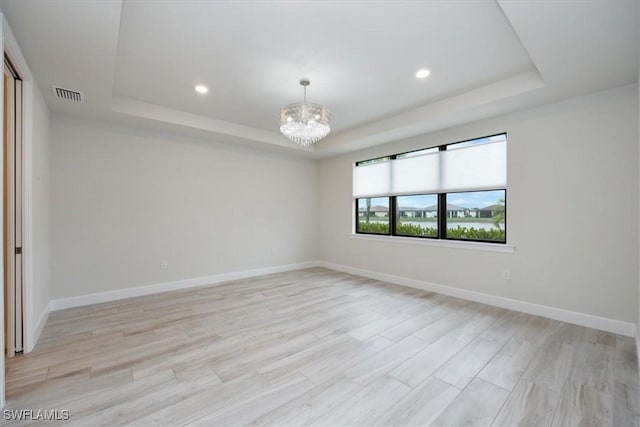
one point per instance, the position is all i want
(317, 347)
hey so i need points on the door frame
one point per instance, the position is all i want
(9, 224)
(14, 223)
(12, 51)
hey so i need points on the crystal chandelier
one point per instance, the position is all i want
(305, 123)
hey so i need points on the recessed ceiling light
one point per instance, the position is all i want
(202, 89)
(423, 73)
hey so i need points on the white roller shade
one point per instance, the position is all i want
(416, 175)
(372, 180)
(470, 168)
(478, 167)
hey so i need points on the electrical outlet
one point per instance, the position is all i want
(506, 275)
(164, 265)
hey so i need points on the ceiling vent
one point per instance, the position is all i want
(67, 94)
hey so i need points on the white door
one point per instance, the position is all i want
(13, 210)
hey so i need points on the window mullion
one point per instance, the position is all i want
(442, 216)
(393, 215)
(392, 208)
(442, 206)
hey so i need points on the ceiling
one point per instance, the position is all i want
(137, 62)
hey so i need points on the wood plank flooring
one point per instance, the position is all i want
(322, 348)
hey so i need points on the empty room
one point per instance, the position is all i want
(327, 213)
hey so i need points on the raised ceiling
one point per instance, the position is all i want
(251, 56)
(138, 61)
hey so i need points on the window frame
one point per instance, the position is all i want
(442, 202)
(477, 240)
(357, 211)
(394, 228)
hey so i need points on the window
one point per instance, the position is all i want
(373, 215)
(455, 191)
(417, 153)
(477, 215)
(373, 161)
(417, 215)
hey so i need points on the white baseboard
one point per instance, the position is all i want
(216, 279)
(37, 330)
(596, 322)
(588, 320)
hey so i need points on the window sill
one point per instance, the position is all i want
(454, 244)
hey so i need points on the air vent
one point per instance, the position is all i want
(67, 94)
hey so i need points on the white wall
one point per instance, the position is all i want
(124, 199)
(572, 210)
(41, 200)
